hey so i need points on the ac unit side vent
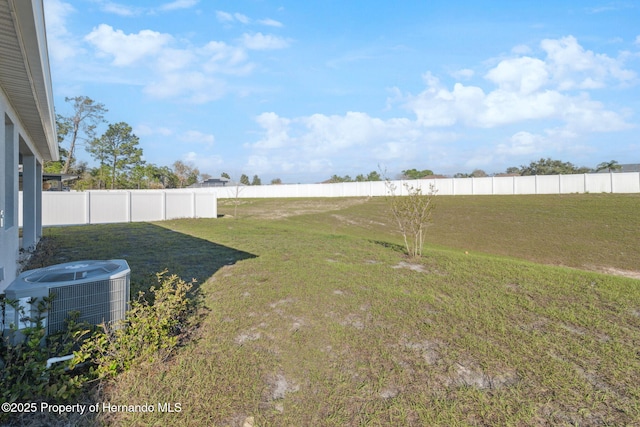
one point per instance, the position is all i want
(97, 302)
(98, 290)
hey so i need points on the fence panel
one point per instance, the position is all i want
(462, 186)
(504, 185)
(598, 183)
(206, 206)
(571, 184)
(64, 208)
(108, 207)
(147, 206)
(482, 186)
(625, 182)
(180, 205)
(547, 184)
(524, 185)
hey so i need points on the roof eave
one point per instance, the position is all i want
(36, 106)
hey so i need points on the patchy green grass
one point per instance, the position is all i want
(315, 317)
(587, 231)
(147, 248)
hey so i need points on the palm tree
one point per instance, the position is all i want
(609, 166)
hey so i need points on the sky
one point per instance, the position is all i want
(303, 90)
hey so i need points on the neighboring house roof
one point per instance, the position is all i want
(211, 182)
(25, 76)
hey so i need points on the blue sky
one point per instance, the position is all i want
(302, 90)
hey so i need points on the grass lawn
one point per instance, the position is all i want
(315, 317)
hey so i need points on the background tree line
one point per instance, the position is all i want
(117, 152)
(547, 166)
(543, 166)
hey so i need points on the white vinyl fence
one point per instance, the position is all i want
(628, 182)
(95, 207)
(100, 207)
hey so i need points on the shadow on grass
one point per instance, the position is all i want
(393, 246)
(148, 249)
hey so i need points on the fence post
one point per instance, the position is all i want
(164, 205)
(560, 184)
(87, 213)
(611, 180)
(129, 207)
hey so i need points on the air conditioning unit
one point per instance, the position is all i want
(98, 290)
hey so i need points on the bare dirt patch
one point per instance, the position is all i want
(414, 267)
(429, 350)
(619, 272)
(470, 374)
(284, 208)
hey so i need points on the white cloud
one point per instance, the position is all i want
(127, 49)
(205, 164)
(147, 130)
(178, 4)
(521, 49)
(171, 68)
(528, 89)
(321, 143)
(227, 18)
(637, 41)
(129, 11)
(173, 60)
(243, 19)
(120, 9)
(62, 44)
(198, 137)
(270, 22)
(523, 144)
(276, 131)
(224, 16)
(573, 67)
(463, 74)
(259, 41)
(220, 57)
(194, 87)
(525, 75)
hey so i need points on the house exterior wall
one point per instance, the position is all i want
(10, 128)
(27, 127)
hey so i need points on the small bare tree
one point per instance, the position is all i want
(236, 199)
(412, 214)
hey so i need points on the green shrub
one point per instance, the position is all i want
(24, 354)
(155, 325)
(152, 329)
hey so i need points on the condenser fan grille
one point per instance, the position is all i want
(98, 290)
(97, 302)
